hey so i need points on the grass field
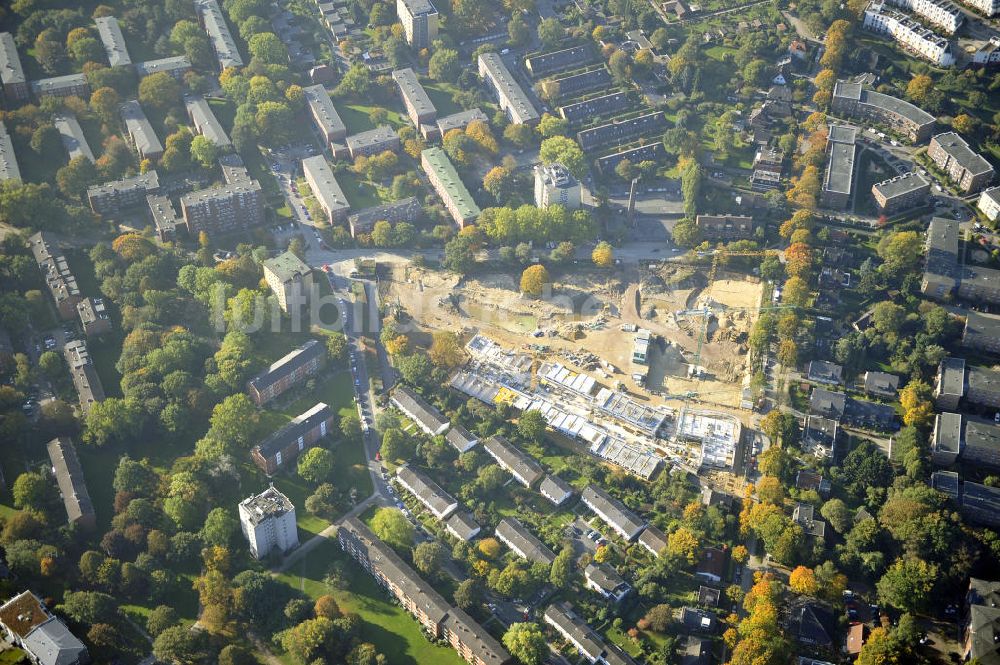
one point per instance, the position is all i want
(360, 194)
(386, 625)
(355, 117)
(441, 95)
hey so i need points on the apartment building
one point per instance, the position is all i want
(968, 170)
(414, 407)
(419, 598)
(223, 209)
(43, 637)
(982, 332)
(516, 462)
(284, 445)
(459, 120)
(508, 92)
(325, 188)
(567, 58)
(372, 142)
(838, 183)
(55, 270)
(290, 279)
(449, 187)
(268, 523)
(86, 381)
(9, 170)
(989, 203)
(440, 504)
(939, 13)
(286, 372)
(512, 533)
(616, 102)
(987, 7)
(94, 316)
(574, 85)
(956, 437)
(910, 35)
(462, 526)
(419, 106)
(324, 114)
(981, 627)
(653, 151)
(767, 169)
(405, 210)
(980, 503)
(68, 472)
(941, 263)
(949, 385)
(982, 386)
(15, 85)
(622, 131)
(725, 227)
(653, 540)
(212, 19)
(555, 489)
(420, 22)
(61, 86)
(555, 184)
(461, 439)
(164, 216)
(205, 122)
(140, 131)
(114, 41)
(565, 621)
(72, 136)
(613, 512)
(605, 580)
(899, 116)
(900, 193)
(176, 66)
(113, 197)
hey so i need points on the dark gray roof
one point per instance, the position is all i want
(460, 438)
(425, 489)
(982, 440)
(941, 264)
(613, 509)
(653, 539)
(297, 427)
(69, 477)
(840, 162)
(554, 486)
(809, 623)
(946, 482)
(983, 379)
(412, 91)
(984, 634)
(417, 407)
(525, 469)
(901, 184)
(381, 134)
(951, 376)
(881, 382)
(463, 525)
(515, 534)
(475, 638)
(606, 577)
(956, 147)
(10, 64)
(827, 403)
(543, 63)
(460, 120)
(821, 370)
(978, 324)
(403, 209)
(287, 364)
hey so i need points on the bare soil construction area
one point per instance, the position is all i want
(585, 311)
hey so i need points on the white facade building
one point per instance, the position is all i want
(988, 7)
(268, 523)
(909, 34)
(555, 184)
(989, 203)
(940, 13)
(420, 22)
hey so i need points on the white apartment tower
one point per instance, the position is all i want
(268, 522)
(420, 22)
(555, 184)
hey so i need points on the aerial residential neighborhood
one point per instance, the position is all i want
(500, 332)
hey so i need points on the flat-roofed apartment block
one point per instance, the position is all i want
(522, 542)
(405, 210)
(838, 184)
(989, 203)
(44, 638)
(286, 372)
(982, 332)
(9, 170)
(420, 22)
(899, 116)
(651, 151)
(461, 525)
(555, 184)
(324, 114)
(596, 106)
(85, 378)
(900, 193)
(767, 169)
(414, 407)
(418, 597)
(72, 485)
(941, 270)
(61, 86)
(567, 58)
(946, 439)
(444, 178)
(613, 512)
(574, 85)
(15, 85)
(987, 7)
(725, 227)
(459, 120)
(419, 106)
(461, 439)
(910, 35)
(286, 444)
(140, 131)
(268, 523)
(114, 42)
(426, 491)
(939, 13)
(584, 639)
(290, 279)
(55, 270)
(508, 92)
(957, 437)
(982, 386)
(653, 540)
(968, 170)
(164, 216)
(372, 142)
(113, 197)
(621, 131)
(949, 385)
(215, 25)
(176, 66)
(325, 188)
(205, 122)
(980, 503)
(517, 462)
(555, 489)
(94, 316)
(223, 209)
(72, 136)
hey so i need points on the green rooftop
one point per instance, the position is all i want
(287, 266)
(445, 177)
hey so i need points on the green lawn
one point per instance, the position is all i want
(360, 194)
(441, 95)
(719, 52)
(386, 625)
(355, 117)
